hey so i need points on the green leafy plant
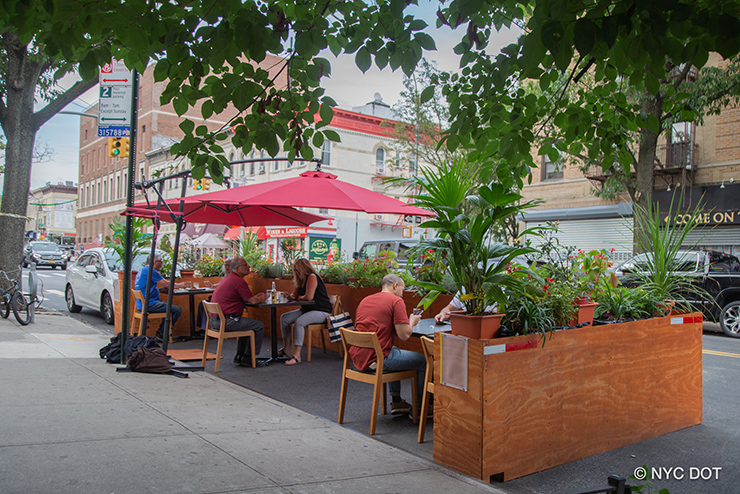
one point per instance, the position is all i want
(526, 314)
(187, 258)
(139, 240)
(662, 241)
(290, 250)
(209, 265)
(465, 215)
(336, 272)
(370, 272)
(248, 248)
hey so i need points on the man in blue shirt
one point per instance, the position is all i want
(156, 305)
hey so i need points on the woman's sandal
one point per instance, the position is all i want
(281, 353)
(292, 361)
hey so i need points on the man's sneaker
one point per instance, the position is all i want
(399, 407)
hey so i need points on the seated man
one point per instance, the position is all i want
(385, 314)
(156, 305)
(231, 294)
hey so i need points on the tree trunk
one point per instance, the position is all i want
(644, 177)
(18, 124)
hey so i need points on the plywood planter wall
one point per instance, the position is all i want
(528, 408)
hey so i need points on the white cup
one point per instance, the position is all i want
(196, 284)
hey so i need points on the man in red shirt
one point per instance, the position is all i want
(385, 314)
(232, 294)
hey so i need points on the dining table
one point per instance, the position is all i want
(191, 293)
(426, 327)
(273, 306)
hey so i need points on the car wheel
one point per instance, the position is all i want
(53, 267)
(64, 267)
(69, 296)
(107, 310)
(730, 319)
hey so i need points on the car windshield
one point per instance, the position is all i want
(45, 247)
(115, 263)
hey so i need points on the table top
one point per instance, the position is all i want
(186, 291)
(428, 327)
(282, 304)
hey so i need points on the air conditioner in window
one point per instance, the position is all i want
(261, 168)
(378, 217)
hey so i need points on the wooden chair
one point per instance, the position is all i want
(137, 316)
(214, 310)
(370, 340)
(336, 304)
(427, 345)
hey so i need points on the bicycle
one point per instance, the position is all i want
(14, 298)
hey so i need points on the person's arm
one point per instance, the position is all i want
(403, 331)
(444, 314)
(257, 299)
(311, 285)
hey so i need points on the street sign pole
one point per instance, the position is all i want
(129, 219)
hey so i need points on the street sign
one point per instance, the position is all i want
(114, 102)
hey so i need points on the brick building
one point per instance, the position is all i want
(704, 160)
(102, 180)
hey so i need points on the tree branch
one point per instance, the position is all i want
(57, 104)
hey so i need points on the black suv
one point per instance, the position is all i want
(716, 272)
(44, 254)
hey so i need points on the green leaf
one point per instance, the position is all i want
(427, 94)
(187, 126)
(180, 106)
(207, 109)
(331, 135)
(585, 35)
(426, 41)
(326, 113)
(363, 59)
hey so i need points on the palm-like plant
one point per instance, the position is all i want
(466, 214)
(664, 240)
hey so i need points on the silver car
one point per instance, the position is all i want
(92, 281)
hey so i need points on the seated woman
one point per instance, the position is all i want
(308, 286)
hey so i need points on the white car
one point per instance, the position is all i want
(92, 281)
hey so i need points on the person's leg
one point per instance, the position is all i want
(245, 324)
(299, 331)
(154, 308)
(285, 321)
(400, 360)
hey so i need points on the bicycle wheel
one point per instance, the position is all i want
(4, 307)
(21, 309)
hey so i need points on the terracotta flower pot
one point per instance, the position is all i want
(478, 327)
(585, 313)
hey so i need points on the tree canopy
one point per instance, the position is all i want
(203, 49)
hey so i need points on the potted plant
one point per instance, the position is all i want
(466, 214)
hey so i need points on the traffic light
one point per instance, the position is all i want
(206, 184)
(197, 185)
(124, 147)
(118, 147)
(114, 147)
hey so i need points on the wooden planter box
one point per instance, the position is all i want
(528, 408)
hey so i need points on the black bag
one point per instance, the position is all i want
(152, 360)
(112, 351)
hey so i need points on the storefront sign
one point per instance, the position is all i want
(285, 232)
(323, 250)
(704, 218)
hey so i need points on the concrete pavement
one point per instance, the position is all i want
(72, 424)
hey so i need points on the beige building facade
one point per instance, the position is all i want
(51, 212)
(702, 160)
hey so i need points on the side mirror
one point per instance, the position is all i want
(355, 255)
(91, 269)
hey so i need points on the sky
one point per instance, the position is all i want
(347, 85)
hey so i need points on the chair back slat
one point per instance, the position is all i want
(336, 305)
(213, 309)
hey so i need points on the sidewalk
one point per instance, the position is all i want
(72, 424)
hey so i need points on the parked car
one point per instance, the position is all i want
(716, 272)
(372, 248)
(44, 254)
(92, 281)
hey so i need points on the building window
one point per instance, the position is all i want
(105, 190)
(118, 186)
(380, 161)
(413, 164)
(276, 166)
(323, 211)
(143, 129)
(550, 170)
(326, 153)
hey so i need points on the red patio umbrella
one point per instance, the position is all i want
(199, 210)
(311, 189)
